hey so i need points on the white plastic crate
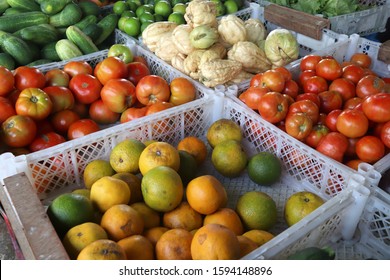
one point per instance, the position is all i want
(364, 22)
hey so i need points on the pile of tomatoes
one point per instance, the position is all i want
(39, 110)
(340, 109)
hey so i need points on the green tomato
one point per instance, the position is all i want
(121, 51)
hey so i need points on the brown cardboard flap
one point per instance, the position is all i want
(384, 52)
(297, 21)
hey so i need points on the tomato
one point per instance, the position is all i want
(118, 95)
(62, 120)
(273, 80)
(73, 68)
(34, 103)
(46, 140)
(385, 134)
(256, 80)
(329, 69)
(309, 62)
(85, 87)
(133, 113)
(370, 149)
(273, 107)
(309, 96)
(315, 84)
(307, 107)
(331, 119)
(13, 96)
(82, 127)
(352, 123)
(353, 73)
(44, 126)
(81, 109)
(321, 118)
(18, 131)
(57, 77)
(330, 100)
(377, 107)
(317, 132)
(345, 87)
(351, 151)
(29, 77)
(138, 58)
(291, 88)
(354, 163)
(7, 81)
(110, 68)
(6, 109)
(369, 85)
(136, 71)
(334, 145)
(61, 97)
(151, 89)
(182, 91)
(157, 107)
(361, 59)
(304, 75)
(289, 99)
(251, 96)
(298, 125)
(121, 51)
(352, 103)
(285, 72)
(100, 113)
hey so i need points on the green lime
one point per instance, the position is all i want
(175, 2)
(132, 26)
(231, 6)
(142, 9)
(180, 8)
(145, 24)
(132, 5)
(264, 168)
(146, 16)
(177, 17)
(163, 8)
(128, 13)
(119, 7)
(188, 167)
(136, 2)
(158, 17)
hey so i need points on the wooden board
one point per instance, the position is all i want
(34, 231)
(297, 21)
(384, 52)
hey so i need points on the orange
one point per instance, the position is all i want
(175, 244)
(195, 146)
(259, 236)
(102, 249)
(247, 245)
(206, 194)
(137, 247)
(223, 129)
(215, 242)
(151, 217)
(95, 170)
(124, 157)
(121, 221)
(134, 184)
(226, 217)
(183, 216)
(153, 234)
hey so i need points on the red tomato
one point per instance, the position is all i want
(273, 107)
(354, 163)
(46, 140)
(331, 119)
(61, 97)
(73, 68)
(157, 107)
(315, 84)
(307, 107)
(136, 71)
(298, 125)
(317, 132)
(81, 109)
(82, 127)
(353, 73)
(86, 88)
(138, 58)
(329, 69)
(62, 120)
(321, 118)
(309, 96)
(13, 96)
(351, 151)
(330, 100)
(291, 88)
(251, 96)
(309, 62)
(369, 85)
(34, 103)
(6, 81)
(133, 113)
(273, 80)
(100, 113)
(352, 103)
(18, 131)
(118, 95)
(256, 80)
(57, 77)
(333, 145)
(6, 109)
(285, 72)
(361, 59)
(289, 99)
(352, 123)
(345, 87)
(182, 91)
(151, 89)
(109, 68)
(377, 107)
(304, 75)
(29, 77)
(370, 149)
(385, 134)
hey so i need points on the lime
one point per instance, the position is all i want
(163, 8)
(188, 167)
(142, 9)
(177, 18)
(180, 8)
(231, 6)
(146, 16)
(119, 7)
(136, 2)
(128, 13)
(145, 24)
(158, 17)
(264, 168)
(175, 2)
(132, 26)
(132, 5)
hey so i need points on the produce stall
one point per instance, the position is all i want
(201, 86)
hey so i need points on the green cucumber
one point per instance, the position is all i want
(49, 52)
(108, 23)
(313, 253)
(12, 23)
(39, 62)
(3, 6)
(89, 8)
(14, 11)
(85, 21)
(69, 15)
(7, 61)
(93, 31)
(28, 5)
(66, 49)
(17, 48)
(52, 7)
(78, 37)
(40, 34)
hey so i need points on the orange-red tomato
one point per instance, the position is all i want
(82, 127)
(352, 123)
(370, 149)
(334, 145)
(133, 113)
(62, 120)
(6, 81)
(85, 87)
(72, 68)
(18, 131)
(309, 62)
(100, 113)
(29, 77)
(57, 77)
(369, 85)
(298, 125)
(182, 91)
(272, 79)
(46, 140)
(344, 87)
(251, 96)
(273, 107)
(152, 89)
(109, 68)
(329, 69)
(330, 100)
(118, 95)
(6, 109)
(306, 107)
(377, 107)
(361, 59)
(34, 103)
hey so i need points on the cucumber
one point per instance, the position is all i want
(69, 15)
(40, 34)
(93, 31)
(78, 37)
(85, 21)
(49, 52)
(17, 48)
(108, 23)
(14, 11)
(52, 7)
(28, 5)
(89, 8)
(39, 62)
(313, 253)
(3, 6)
(12, 23)
(7, 61)
(66, 49)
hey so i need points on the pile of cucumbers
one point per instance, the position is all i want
(34, 32)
